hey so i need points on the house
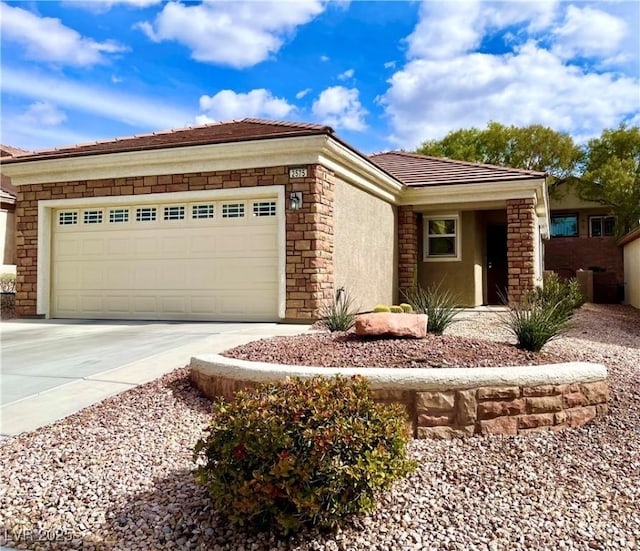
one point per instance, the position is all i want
(583, 238)
(630, 244)
(7, 215)
(263, 220)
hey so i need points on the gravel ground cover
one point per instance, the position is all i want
(117, 475)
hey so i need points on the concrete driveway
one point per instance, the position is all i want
(52, 368)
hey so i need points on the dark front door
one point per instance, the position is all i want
(496, 263)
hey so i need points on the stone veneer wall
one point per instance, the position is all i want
(309, 231)
(448, 414)
(407, 247)
(521, 235)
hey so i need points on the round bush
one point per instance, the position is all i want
(396, 309)
(301, 452)
(381, 308)
(407, 308)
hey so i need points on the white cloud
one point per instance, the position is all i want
(239, 34)
(340, 107)
(589, 32)
(228, 104)
(346, 75)
(303, 93)
(324, 58)
(103, 6)
(43, 113)
(428, 98)
(390, 65)
(47, 39)
(127, 108)
(447, 83)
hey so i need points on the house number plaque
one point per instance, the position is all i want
(297, 173)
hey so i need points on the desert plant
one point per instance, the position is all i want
(407, 308)
(7, 282)
(381, 308)
(301, 452)
(535, 323)
(396, 309)
(340, 315)
(438, 303)
(565, 295)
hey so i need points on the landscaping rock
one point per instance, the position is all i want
(392, 325)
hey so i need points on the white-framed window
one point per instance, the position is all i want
(441, 237)
(146, 214)
(232, 210)
(92, 216)
(602, 226)
(67, 218)
(200, 212)
(118, 216)
(174, 213)
(264, 208)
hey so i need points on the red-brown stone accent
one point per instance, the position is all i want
(521, 220)
(309, 243)
(450, 414)
(407, 248)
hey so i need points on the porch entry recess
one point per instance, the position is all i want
(496, 263)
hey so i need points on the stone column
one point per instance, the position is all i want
(407, 248)
(521, 220)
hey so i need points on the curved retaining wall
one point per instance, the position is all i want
(448, 402)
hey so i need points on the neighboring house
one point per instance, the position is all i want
(630, 244)
(7, 215)
(263, 220)
(583, 238)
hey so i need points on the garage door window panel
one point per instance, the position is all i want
(92, 216)
(264, 208)
(118, 216)
(233, 210)
(68, 218)
(173, 213)
(146, 214)
(203, 212)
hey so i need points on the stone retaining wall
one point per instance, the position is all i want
(452, 406)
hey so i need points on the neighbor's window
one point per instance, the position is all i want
(441, 238)
(602, 226)
(564, 225)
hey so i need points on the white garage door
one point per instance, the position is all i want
(207, 260)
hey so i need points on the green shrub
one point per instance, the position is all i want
(340, 314)
(301, 452)
(439, 304)
(396, 309)
(381, 308)
(565, 295)
(535, 323)
(7, 282)
(407, 308)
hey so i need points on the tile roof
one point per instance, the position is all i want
(220, 132)
(413, 169)
(10, 151)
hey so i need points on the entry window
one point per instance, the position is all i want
(67, 218)
(199, 212)
(174, 213)
(602, 226)
(118, 216)
(264, 208)
(146, 214)
(441, 238)
(564, 225)
(232, 210)
(92, 217)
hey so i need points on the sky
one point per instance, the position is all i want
(384, 75)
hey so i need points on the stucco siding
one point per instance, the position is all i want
(462, 277)
(365, 253)
(632, 272)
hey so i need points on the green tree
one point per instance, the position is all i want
(611, 175)
(533, 147)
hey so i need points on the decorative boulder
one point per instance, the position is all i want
(392, 325)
